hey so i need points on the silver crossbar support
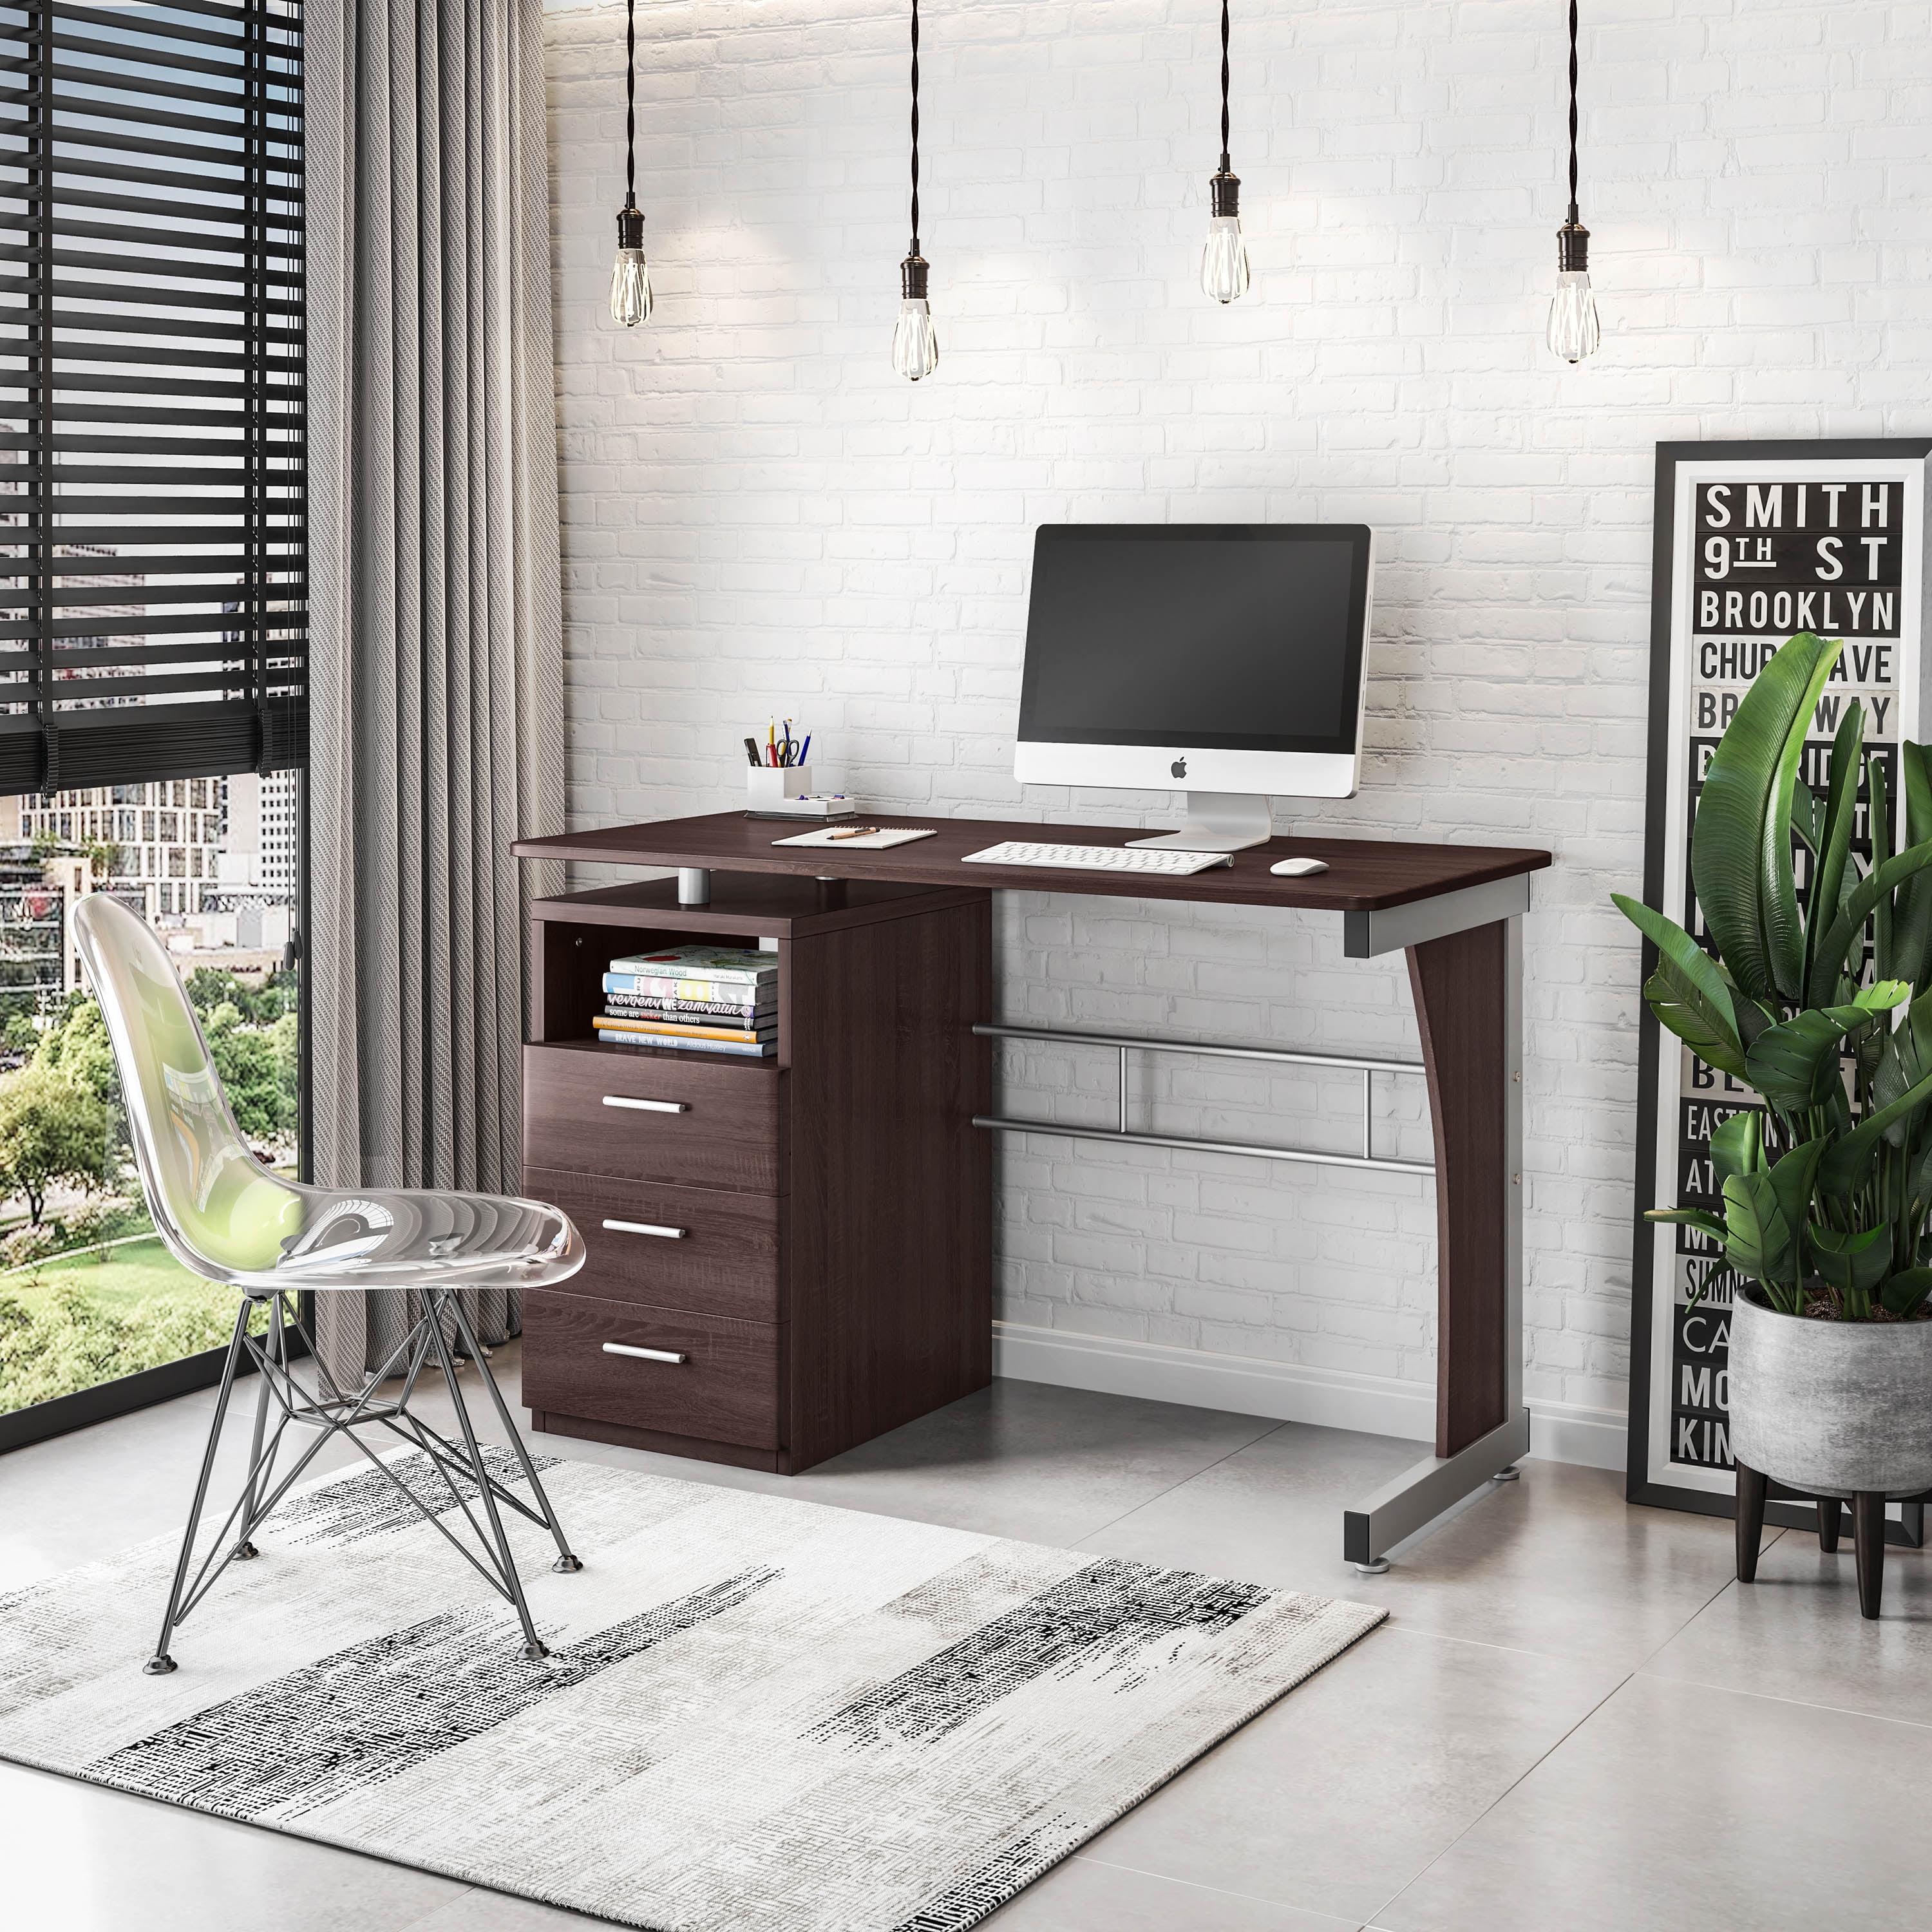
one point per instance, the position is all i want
(1140, 1042)
(1364, 934)
(1000, 1125)
(1124, 1043)
(1424, 1490)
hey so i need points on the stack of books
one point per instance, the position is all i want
(712, 999)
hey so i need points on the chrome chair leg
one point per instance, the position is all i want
(534, 1646)
(160, 1664)
(566, 1564)
(245, 1550)
(332, 1411)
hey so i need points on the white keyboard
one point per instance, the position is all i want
(1164, 862)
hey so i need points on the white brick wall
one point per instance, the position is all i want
(759, 517)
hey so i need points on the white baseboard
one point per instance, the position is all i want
(1283, 1391)
(1567, 1431)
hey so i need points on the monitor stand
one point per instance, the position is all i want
(1217, 821)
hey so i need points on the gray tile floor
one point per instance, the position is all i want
(1574, 1718)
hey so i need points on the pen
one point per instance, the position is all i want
(805, 748)
(853, 832)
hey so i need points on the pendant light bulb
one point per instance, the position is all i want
(630, 277)
(1224, 261)
(1573, 332)
(915, 345)
(631, 274)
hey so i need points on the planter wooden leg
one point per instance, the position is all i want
(1829, 1510)
(1868, 1541)
(1750, 1522)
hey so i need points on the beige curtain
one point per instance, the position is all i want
(436, 643)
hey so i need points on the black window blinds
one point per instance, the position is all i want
(152, 553)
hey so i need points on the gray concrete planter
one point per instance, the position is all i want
(1831, 1409)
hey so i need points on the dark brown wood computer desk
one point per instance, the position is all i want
(1456, 910)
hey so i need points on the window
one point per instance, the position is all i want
(153, 636)
(152, 622)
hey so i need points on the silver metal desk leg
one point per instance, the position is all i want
(1400, 1508)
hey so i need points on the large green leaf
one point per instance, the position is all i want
(1881, 996)
(1853, 1262)
(1843, 1166)
(1737, 1145)
(1741, 842)
(1765, 1213)
(1806, 819)
(1797, 1064)
(1905, 1061)
(1792, 1178)
(1699, 1218)
(1834, 842)
(1904, 1292)
(1687, 992)
(1873, 894)
(1759, 1240)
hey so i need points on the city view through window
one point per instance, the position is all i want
(153, 628)
(87, 1292)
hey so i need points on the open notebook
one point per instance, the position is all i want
(859, 841)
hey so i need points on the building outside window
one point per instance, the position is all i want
(153, 707)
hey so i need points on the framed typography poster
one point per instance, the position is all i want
(1753, 542)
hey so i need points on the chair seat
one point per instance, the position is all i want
(376, 1237)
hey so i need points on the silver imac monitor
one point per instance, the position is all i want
(1226, 660)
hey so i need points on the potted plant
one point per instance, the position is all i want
(1820, 1001)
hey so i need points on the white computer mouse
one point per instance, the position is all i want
(1298, 869)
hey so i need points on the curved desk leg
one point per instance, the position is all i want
(1467, 986)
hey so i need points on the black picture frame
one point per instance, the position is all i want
(1644, 1484)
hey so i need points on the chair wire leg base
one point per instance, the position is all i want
(566, 1564)
(459, 1467)
(437, 1299)
(160, 1664)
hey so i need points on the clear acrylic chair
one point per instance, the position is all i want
(225, 1216)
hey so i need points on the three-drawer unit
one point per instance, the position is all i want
(786, 1256)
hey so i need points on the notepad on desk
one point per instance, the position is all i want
(852, 840)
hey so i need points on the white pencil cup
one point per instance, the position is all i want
(771, 785)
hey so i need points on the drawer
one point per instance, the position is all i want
(637, 1116)
(723, 1387)
(705, 1248)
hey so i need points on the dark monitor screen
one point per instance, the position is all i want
(1237, 637)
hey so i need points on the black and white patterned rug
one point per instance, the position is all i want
(760, 1715)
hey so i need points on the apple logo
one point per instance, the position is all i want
(1179, 767)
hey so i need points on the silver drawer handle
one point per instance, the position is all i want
(646, 1227)
(643, 1354)
(646, 1106)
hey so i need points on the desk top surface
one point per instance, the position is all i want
(1364, 874)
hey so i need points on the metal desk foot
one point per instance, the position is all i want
(1420, 1495)
(1509, 1475)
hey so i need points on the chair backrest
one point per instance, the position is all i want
(221, 1212)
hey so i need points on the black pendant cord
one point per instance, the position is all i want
(631, 103)
(1572, 238)
(1226, 165)
(914, 250)
(1573, 221)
